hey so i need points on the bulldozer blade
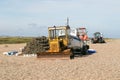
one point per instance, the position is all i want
(48, 55)
(53, 56)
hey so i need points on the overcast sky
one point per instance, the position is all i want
(33, 17)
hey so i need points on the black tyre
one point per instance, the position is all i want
(92, 41)
(87, 46)
(103, 41)
(72, 56)
(84, 50)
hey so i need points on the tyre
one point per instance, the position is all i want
(72, 56)
(87, 46)
(84, 50)
(92, 41)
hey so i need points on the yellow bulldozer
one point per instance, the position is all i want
(59, 40)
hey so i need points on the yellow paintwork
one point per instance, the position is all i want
(58, 44)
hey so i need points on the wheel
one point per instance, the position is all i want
(100, 40)
(103, 41)
(72, 56)
(84, 50)
(92, 41)
(87, 46)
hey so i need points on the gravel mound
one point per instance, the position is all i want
(39, 44)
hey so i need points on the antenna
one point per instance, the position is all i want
(67, 21)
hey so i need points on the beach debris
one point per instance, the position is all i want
(14, 52)
(6, 45)
(10, 53)
(29, 55)
(91, 51)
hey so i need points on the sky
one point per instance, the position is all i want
(33, 17)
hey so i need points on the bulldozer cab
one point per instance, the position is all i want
(58, 38)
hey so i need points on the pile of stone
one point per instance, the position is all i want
(36, 45)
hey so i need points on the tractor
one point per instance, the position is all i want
(97, 38)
